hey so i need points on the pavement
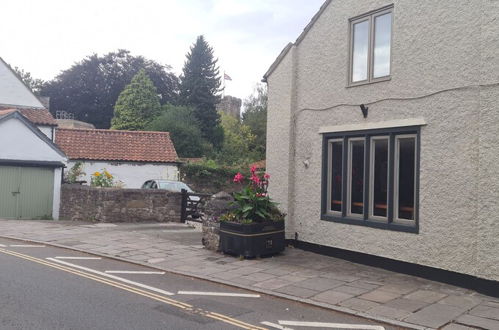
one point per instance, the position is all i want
(397, 299)
(46, 287)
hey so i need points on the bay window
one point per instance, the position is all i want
(371, 178)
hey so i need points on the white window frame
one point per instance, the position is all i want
(349, 178)
(371, 178)
(371, 18)
(396, 219)
(329, 209)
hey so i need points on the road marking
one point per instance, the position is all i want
(221, 294)
(332, 325)
(220, 317)
(140, 285)
(79, 258)
(26, 245)
(133, 272)
(274, 325)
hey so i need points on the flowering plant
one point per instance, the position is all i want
(102, 179)
(252, 203)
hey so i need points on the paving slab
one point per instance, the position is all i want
(435, 315)
(359, 304)
(485, 311)
(297, 291)
(455, 326)
(425, 295)
(319, 284)
(380, 296)
(332, 297)
(407, 304)
(476, 321)
(389, 312)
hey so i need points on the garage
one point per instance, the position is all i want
(26, 192)
(30, 170)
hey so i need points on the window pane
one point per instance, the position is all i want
(382, 40)
(336, 175)
(357, 177)
(360, 51)
(406, 178)
(379, 189)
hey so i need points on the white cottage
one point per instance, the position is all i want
(132, 157)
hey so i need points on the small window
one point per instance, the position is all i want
(370, 51)
(371, 178)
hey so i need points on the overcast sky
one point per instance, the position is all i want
(45, 37)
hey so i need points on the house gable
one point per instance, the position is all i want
(13, 92)
(23, 142)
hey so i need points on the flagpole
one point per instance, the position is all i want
(223, 90)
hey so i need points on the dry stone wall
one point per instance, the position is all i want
(83, 203)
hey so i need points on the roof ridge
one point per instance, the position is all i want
(113, 131)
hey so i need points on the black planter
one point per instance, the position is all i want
(252, 240)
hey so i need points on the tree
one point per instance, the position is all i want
(199, 88)
(238, 139)
(90, 88)
(255, 116)
(137, 105)
(34, 84)
(183, 127)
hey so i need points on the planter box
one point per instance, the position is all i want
(252, 240)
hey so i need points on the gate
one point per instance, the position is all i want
(192, 206)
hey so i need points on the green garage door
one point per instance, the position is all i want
(26, 192)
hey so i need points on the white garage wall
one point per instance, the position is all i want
(133, 175)
(56, 204)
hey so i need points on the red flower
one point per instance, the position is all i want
(253, 169)
(238, 178)
(266, 176)
(261, 195)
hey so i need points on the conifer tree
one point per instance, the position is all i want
(137, 105)
(199, 88)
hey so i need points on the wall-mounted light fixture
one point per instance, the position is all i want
(365, 110)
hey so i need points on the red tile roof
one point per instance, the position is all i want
(115, 145)
(36, 116)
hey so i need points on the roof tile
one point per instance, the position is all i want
(36, 116)
(115, 145)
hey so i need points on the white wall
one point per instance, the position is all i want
(13, 91)
(18, 142)
(48, 131)
(57, 193)
(459, 186)
(133, 175)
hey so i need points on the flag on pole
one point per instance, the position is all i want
(227, 77)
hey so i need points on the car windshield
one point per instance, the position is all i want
(174, 186)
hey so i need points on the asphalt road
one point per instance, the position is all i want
(43, 287)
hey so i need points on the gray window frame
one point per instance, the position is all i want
(390, 222)
(370, 17)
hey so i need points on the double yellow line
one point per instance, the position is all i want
(172, 302)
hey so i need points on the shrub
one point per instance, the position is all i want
(102, 179)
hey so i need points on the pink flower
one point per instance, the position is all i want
(253, 169)
(255, 179)
(238, 178)
(266, 176)
(261, 195)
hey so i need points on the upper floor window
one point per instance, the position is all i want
(370, 46)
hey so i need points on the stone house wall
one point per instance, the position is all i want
(83, 203)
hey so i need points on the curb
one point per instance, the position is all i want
(307, 301)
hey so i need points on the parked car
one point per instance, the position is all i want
(177, 186)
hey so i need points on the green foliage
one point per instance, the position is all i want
(90, 88)
(102, 179)
(210, 174)
(199, 88)
(75, 173)
(183, 127)
(255, 117)
(238, 139)
(137, 105)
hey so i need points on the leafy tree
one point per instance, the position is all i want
(199, 88)
(255, 116)
(183, 127)
(90, 88)
(137, 105)
(34, 84)
(236, 148)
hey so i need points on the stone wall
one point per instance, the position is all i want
(218, 204)
(83, 203)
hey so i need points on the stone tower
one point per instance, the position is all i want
(230, 105)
